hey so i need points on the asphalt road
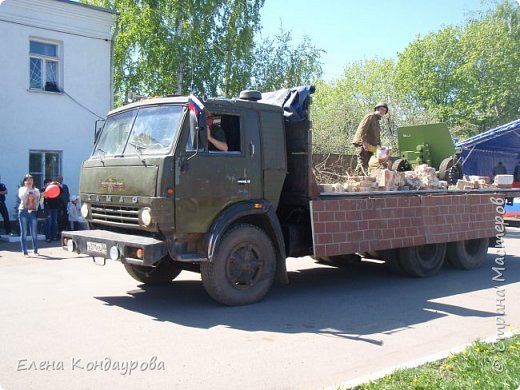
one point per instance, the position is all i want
(69, 324)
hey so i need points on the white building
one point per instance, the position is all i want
(56, 80)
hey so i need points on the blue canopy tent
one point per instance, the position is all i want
(483, 152)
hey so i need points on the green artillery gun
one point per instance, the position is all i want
(428, 144)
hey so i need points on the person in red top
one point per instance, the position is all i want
(52, 205)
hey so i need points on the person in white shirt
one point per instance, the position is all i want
(27, 213)
(76, 221)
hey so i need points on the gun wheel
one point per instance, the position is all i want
(401, 165)
(450, 170)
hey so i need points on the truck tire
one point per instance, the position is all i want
(392, 261)
(163, 273)
(423, 260)
(467, 254)
(243, 268)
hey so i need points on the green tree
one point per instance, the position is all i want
(426, 71)
(236, 39)
(162, 45)
(489, 93)
(470, 74)
(280, 65)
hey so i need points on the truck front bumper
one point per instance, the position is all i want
(127, 248)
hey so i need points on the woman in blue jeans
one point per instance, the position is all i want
(27, 213)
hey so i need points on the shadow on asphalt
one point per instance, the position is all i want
(15, 247)
(350, 302)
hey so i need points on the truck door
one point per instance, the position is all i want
(209, 180)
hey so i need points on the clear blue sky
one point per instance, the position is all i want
(352, 30)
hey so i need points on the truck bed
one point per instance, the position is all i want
(354, 222)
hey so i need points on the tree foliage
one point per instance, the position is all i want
(163, 45)
(470, 74)
(280, 65)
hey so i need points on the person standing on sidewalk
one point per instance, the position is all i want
(52, 205)
(27, 213)
(63, 217)
(76, 221)
(3, 209)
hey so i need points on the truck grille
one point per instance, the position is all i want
(119, 215)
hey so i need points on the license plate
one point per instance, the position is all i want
(97, 247)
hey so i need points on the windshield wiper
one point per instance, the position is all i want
(138, 148)
(102, 155)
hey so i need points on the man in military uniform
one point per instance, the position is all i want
(216, 135)
(368, 137)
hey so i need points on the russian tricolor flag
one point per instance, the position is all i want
(195, 105)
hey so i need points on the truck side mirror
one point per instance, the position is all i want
(198, 132)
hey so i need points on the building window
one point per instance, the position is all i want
(44, 165)
(44, 66)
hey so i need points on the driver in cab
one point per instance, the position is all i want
(216, 135)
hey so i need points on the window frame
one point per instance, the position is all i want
(44, 61)
(220, 114)
(42, 174)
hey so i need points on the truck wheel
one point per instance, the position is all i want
(450, 170)
(392, 262)
(243, 267)
(423, 260)
(163, 273)
(467, 254)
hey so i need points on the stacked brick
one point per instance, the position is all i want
(422, 178)
(482, 182)
(367, 224)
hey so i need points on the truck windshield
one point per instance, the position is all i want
(145, 130)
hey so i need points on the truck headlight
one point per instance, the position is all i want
(85, 210)
(146, 216)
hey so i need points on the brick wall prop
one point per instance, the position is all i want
(350, 225)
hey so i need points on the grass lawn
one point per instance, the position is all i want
(481, 366)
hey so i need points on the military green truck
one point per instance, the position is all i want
(158, 199)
